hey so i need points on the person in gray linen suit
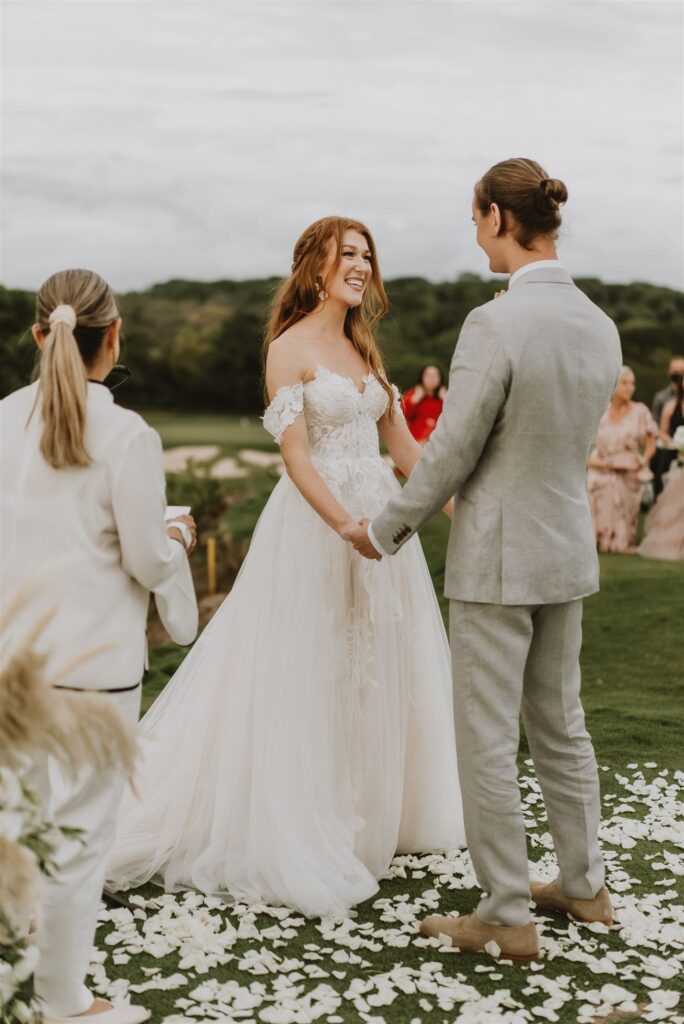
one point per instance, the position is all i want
(532, 374)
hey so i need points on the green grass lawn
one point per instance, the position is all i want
(633, 654)
(197, 960)
(632, 657)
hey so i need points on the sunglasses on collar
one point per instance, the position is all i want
(117, 376)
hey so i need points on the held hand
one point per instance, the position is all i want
(176, 534)
(448, 509)
(362, 543)
(357, 534)
(349, 530)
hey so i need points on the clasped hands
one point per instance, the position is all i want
(357, 535)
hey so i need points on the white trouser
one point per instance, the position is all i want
(70, 899)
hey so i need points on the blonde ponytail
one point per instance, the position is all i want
(73, 309)
(64, 392)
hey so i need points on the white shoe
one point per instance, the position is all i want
(117, 1015)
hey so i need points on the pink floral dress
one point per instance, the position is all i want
(615, 489)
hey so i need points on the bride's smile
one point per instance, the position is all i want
(346, 277)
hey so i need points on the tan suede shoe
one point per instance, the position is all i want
(548, 896)
(472, 934)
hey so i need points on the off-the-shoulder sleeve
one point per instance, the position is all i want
(286, 406)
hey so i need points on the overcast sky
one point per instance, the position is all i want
(151, 139)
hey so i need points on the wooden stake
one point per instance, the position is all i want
(211, 565)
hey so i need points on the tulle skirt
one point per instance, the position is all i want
(308, 736)
(665, 522)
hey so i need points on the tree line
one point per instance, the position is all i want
(197, 346)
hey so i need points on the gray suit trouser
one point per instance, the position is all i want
(508, 660)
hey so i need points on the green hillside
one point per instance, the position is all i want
(198, 345)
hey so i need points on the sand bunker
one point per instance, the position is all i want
(227, 469)
(178, 459)
(259, 459)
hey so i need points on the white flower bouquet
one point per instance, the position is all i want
(678, 443)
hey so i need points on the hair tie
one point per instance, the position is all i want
(63, 315)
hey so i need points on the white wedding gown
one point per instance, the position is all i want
(308, 736)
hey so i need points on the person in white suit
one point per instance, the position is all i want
(82, 526)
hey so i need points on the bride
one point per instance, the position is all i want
(308, 736)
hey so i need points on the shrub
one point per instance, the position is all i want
(195, 487)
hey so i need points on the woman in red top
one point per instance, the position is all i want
(422, 404)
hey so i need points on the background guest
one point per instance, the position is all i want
(618, 467)
(664, 537)
(675, 369)
(664, 455)
(422, 404)
(664, 525)
(673, 411)
(82, 495)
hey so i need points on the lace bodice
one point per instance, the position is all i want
(341, 421)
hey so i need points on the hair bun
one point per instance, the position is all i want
(553, 192)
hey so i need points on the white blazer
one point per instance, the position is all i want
(90, 542)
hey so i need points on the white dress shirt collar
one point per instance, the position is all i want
(535, 265)
(100, 390)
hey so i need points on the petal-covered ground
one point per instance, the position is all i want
(191, 958)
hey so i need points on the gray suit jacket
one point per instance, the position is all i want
(531, 376)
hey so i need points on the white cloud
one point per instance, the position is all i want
(198, 139)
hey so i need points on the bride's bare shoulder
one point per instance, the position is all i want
(289, 352)
(287, 360)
